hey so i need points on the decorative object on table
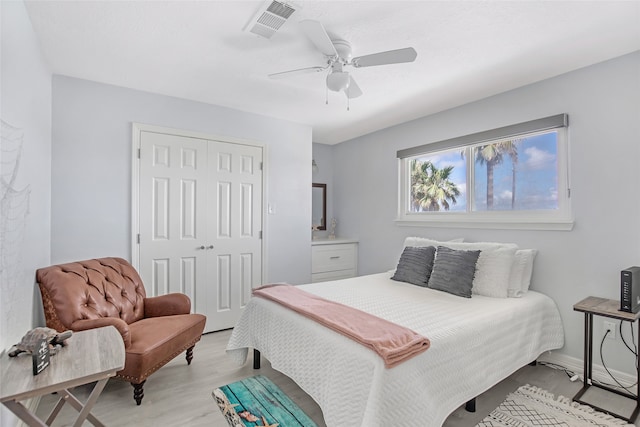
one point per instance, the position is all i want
(533, 406)
(256, 401)
(30, 342)
(40, 357)
(334, 223)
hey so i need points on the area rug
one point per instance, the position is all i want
(256, 401)
(532, 406)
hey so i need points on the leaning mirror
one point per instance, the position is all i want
(319, 206)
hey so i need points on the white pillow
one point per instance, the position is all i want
(521, 272)
(423, 241)
(493, 267)
(493, 271)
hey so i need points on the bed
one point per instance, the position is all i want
(475, 343)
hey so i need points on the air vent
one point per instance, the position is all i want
(270, 18)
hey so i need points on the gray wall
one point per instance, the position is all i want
(604, 116)
(91, 170)
(26, 105)
(25, 234)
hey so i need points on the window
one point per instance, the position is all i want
(512, 177)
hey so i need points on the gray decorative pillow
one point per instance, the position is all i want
(415, 265)
(453, 271)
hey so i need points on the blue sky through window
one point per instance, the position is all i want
(536, 176)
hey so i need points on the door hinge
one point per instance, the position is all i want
(568, 193)
(260, 234)
(138, 238)
(260, 165)
(138, 153)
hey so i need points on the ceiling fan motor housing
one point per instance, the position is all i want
(343, 48)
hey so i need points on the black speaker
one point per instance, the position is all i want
(630, 290)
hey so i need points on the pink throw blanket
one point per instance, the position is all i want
(394, 343)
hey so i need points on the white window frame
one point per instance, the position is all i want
(556, 219)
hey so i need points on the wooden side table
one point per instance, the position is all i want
(591, 306)
(92, 355)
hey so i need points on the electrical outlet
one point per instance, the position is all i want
(611, 327)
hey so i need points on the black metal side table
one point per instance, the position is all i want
(591, 306)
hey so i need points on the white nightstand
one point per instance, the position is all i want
(333, 259)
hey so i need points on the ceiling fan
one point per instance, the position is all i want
(338, 55)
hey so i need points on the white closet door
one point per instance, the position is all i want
(173, 223)
(235, 201)
(200, 207)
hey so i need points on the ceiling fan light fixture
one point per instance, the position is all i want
(338, 81)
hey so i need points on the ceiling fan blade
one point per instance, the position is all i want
(353, 91)
(317, 34)
(289, 73)
(408, 54)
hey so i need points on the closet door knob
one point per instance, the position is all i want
(201, 247)
(210, 247)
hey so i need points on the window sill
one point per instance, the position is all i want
(491, 224)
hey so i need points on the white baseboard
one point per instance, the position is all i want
(598, 372)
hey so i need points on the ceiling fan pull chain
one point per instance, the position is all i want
(347, 99)
(326, 91)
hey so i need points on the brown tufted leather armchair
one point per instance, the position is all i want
(108, 291)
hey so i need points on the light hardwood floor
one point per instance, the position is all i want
(180, 395)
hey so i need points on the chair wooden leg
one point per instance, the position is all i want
(190, 354)
(138, 392)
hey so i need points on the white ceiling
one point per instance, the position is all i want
(467, 50)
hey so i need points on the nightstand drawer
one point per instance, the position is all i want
(326, 258)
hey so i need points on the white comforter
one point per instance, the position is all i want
(475, 343)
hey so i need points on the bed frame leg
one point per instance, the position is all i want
(470, 406)
(256, 359)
